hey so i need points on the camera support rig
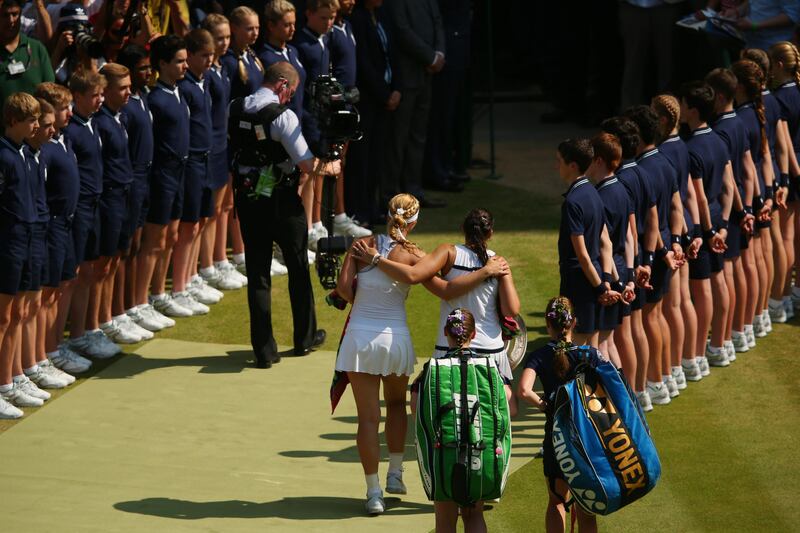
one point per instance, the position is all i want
(330, 248)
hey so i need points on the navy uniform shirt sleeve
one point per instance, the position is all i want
(574, 214)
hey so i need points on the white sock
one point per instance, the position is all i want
(395, 462)
(50, 355)
(664, 379)
(689, 361)
(220, 264)
(159, 297)
(207, 271)
(20, 378)
(654, 384)
(775, 303)
(106, 324)
(316, 225)
(748, 328)
(6, 388)
(238, 258)
(341, 217)
(31, 371)
(678, 368)
(121, 317)
(96, 330)
(373, 483)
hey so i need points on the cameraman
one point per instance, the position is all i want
(266, 181)
(23, 60)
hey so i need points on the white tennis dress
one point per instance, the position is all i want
(376, 339)
(482, 302)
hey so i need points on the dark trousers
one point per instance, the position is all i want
(282, 220)
(446, 90)
(408, 132)
(365, 162)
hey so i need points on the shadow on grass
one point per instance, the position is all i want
(305, 508)
(133, 364)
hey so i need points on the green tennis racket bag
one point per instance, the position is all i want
(463, 432)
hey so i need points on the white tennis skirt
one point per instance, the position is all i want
(379, 353)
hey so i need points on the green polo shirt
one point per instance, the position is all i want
(33, 55)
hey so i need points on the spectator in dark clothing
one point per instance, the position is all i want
(343, 46)
(420, 46)
(377, 84)
(448, 86)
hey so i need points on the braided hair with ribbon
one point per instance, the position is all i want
(460, 326)
(403, 211)
(560, 319)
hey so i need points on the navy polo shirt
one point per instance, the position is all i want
(314, 51)
(255, 76)
(663, 177)
(63, 179)
(117, 169)
(38, 177)
(170, 122)
(618, 207)
(269, 55)
(218, 85)
(542, 361)
(343, 53)
(89, 151)
(747, 115)
(708, 156)
(138, 121)
(582, 213)
(639, 191)
(788, 96)
(675, 150)
(772, 112)
(17, 201)
(729, 126)
(198, 98)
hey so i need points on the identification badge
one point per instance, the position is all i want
(266, 182)
(259, 131)
(244, 125)
(15, 67)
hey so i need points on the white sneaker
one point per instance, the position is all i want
(394, 483)
(93, 344)
(46, 380)
(789, 307)
(375, 503)
(750, 335)
(185, 300)
(691, 370)
(658, 392)
(69, 361)
(8, 411)
(277, 269)
(167, 305)
(29, 387)
(777, 313)
(211, 290)
(241, 268)
(150, 312)
(730, 350)
(759, 327)
(766, 320)
(108, 345)
(315, 234)
(115, 333)
(146, 321)
(230, 271)
(644, 401)
(311, 257)
(702, 362)
(126, 323)
(219, 280)
(198, 291)
(679, 376)
(716, 356)
(347, 227)
(672, 386)
(740, 344)
(18, 397)
(53, 370)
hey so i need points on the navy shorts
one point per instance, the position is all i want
(139, 200)
(33, 275)
(198, 198)
(734, 241)
(15, 260)
(549, 462)
(218, 171)
(166, 192)
(575, 286)
(61, 265)
(610, 316)
(700, 267)
(86, 229)
(659, 279)
(114, 220)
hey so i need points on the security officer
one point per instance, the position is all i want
(267, 148)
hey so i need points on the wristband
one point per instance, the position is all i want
(709, 234)
(697, 231)
(630, 277)
(375, 259)
(769, 193)
(723, 225)
(601, 289)
(647, 258)
(607, 277)
(775, 186)
(661, 252)
(675, 239)
(758, 203)
(783, 180)
(748, 209)
(618, 286)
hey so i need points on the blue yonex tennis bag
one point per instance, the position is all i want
(601, 440)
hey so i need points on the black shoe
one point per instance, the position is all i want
(446, 186)
(262, 363)
(430, 203)
(319, 338)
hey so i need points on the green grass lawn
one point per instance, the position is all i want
(727, 444)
